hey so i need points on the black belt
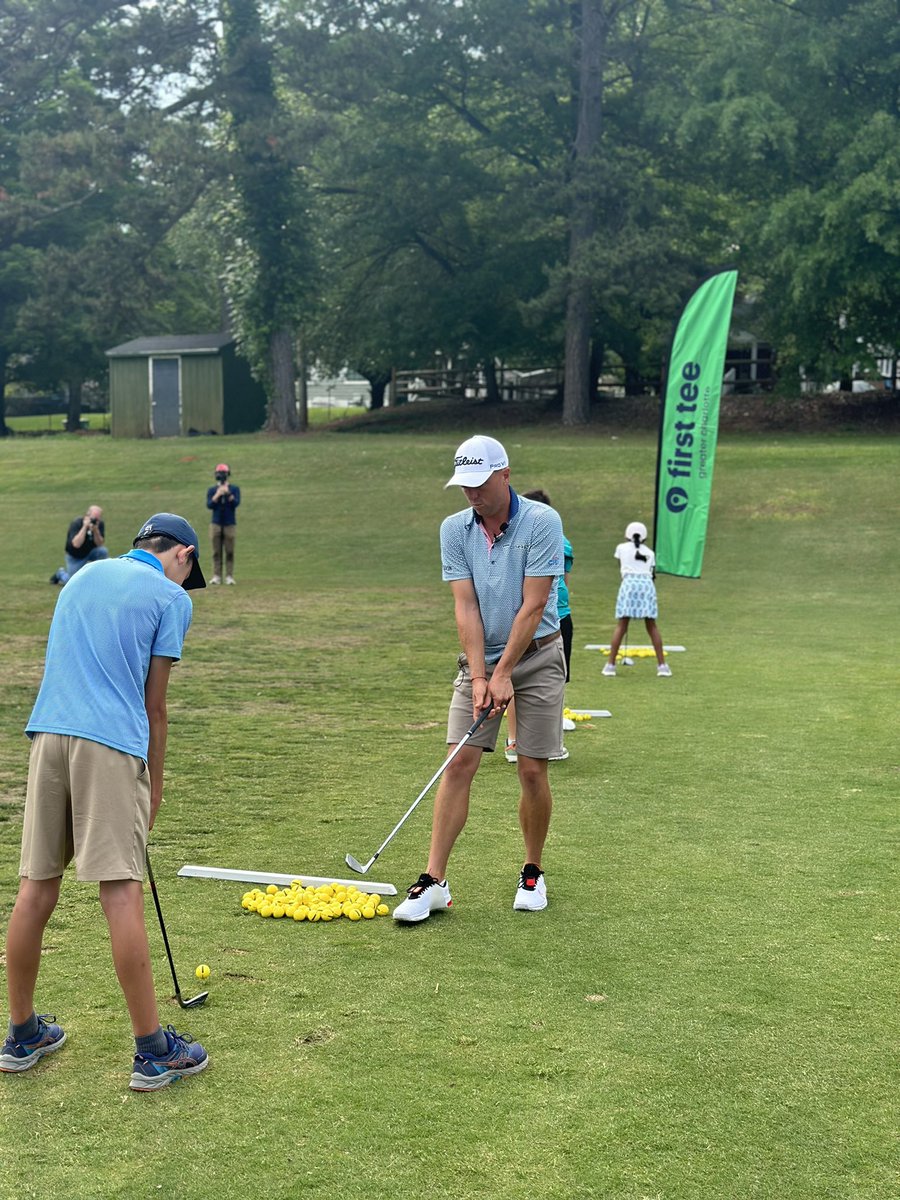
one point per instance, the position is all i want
(534, 646)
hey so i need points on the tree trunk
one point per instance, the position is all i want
(629, 349)
(283, 416)
(5, 430)
(303, 380)
(583, 218)
(73, 414)
(598, 353)
(491, 388)
(576, 392)
(379, 384)
(634, 380)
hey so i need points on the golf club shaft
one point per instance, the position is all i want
(435, 777)
(200, 998)
(162, 926)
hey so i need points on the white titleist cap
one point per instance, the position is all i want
(476, 460)
(636, 527)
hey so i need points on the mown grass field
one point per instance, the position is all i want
(708, 1008)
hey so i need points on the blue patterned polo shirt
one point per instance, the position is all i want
(531, 546)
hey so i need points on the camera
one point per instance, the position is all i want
(221, 477)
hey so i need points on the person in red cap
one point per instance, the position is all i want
(222, 499)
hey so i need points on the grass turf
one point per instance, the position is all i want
(707, 1009)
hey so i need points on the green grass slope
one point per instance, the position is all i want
(707, 1009)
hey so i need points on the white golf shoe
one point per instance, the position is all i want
(531, 894)
(609, 669)
(664, 669)
(427, 895)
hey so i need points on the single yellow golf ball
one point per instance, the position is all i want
(202, 971)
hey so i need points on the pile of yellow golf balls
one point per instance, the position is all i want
(327, 902)
(575, 716)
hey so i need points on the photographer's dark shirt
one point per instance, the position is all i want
(87, 545)
(223, 508)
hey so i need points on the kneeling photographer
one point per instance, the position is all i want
(85, 542)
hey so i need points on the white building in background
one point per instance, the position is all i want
(345, 390)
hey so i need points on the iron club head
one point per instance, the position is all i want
(194, 1002)
(357, 866)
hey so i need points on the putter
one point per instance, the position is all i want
(195, 1001)
(361, 868)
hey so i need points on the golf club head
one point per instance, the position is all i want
(194, 1002)
(357, 866)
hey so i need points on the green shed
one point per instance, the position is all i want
(177, 385)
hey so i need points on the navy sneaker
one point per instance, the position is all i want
(19, 1056)
(184, 1057)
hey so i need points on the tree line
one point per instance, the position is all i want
(374, 183)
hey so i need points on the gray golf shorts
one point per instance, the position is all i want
(539, 682)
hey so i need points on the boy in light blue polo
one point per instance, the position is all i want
(502, 558)
(95, 778)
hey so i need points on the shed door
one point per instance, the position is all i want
(165, 397)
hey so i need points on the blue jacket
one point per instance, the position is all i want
(223, 508)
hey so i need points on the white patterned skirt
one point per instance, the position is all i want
(637, 597)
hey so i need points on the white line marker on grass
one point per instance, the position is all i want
(193, 872)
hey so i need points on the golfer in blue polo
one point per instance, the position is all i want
(95, 784)
(502, 557)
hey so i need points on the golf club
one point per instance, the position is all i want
(352, 863)
(195, 1001)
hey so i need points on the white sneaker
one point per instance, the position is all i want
(427, 895)
(214, 581)
(531, 894)
(230, 580)
(561, 757)
(609, 669)
(664, 669)
(568, 725)
(511, 752)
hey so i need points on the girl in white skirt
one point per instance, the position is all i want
(637, 595)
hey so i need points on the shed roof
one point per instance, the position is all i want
(188, 343)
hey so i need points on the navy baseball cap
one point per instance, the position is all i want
(170, 525)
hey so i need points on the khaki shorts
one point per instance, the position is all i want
(88, 802)
(539, 681)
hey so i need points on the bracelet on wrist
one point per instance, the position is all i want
(484, 677)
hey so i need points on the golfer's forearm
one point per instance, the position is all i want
(471, 638)
(520, 637)
(156, 758)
